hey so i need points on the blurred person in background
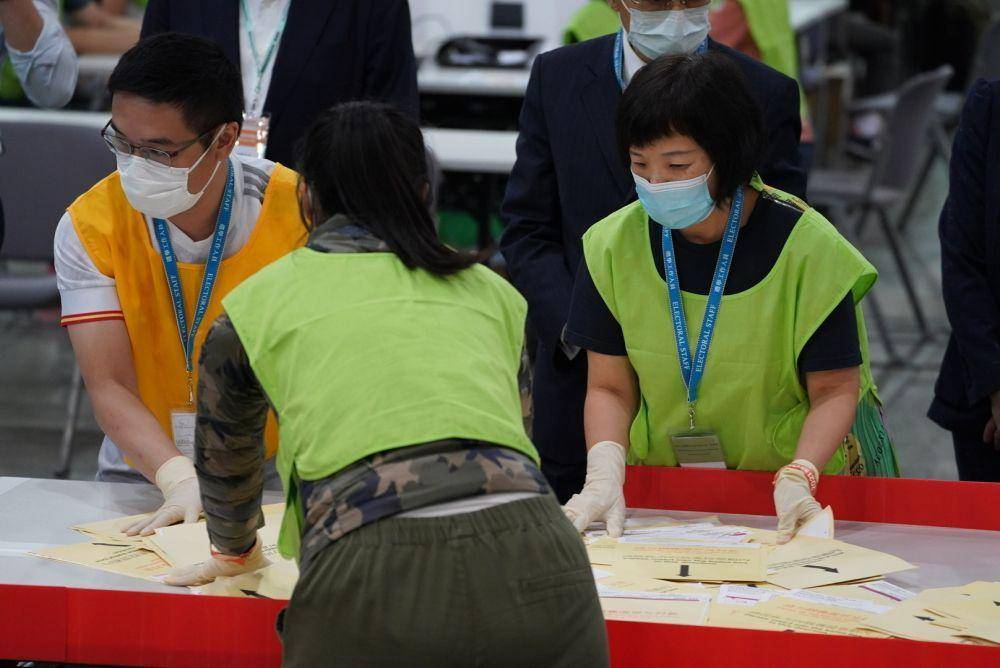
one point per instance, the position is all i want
(967, 393)
(300, 57)
(95, 29)
(569, 174)
(38, 58)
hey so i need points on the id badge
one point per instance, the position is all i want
(698, 448)
(182, 424)
(253, 136)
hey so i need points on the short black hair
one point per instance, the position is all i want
(702, 96)
(367, 161)
(188, 72)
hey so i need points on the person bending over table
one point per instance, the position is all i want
(147, 254)
(422, 523)
(721, 316)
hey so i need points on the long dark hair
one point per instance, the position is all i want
(367, 160)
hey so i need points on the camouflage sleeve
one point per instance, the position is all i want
(525, 377)
(229, 441)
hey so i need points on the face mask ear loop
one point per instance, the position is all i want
(197, 162)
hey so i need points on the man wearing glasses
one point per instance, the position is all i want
(570, 174)
(146, 256)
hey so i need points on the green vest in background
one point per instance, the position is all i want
(359, 355)
(751, 393)
(594, 19)
(771, 28)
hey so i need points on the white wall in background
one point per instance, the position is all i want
(434, 20)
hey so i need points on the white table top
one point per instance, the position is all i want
(479, 151)
(36, 513)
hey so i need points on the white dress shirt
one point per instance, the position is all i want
(266, 18)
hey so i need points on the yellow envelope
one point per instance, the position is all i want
(783, 614)
(188, 544)
(110, 530)
(691, 561)
(910, 620)
(693, 610)
(121, 558)
(813, 562)
(989, 633)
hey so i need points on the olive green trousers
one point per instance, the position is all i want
(506, 586)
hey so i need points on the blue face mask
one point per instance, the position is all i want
(676, 204)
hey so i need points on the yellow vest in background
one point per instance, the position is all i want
(117, 240)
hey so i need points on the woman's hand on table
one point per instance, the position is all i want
(220, 565)
(601, 497)
(794, 497)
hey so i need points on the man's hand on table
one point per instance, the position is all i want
(220, 565)
(178, 481)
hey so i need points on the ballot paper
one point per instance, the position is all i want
(121, 558)
(813, 562)
(785, 613)
(877, 591)
(683, 609)
(616, 587)
(691, 561)
(820, 526)
(861, 605)
(743, 595)
(701, 533)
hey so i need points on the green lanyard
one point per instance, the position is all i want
(261, 61)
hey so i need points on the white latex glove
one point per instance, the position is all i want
(794, 487)
(601, 497)
(220, 565)
(178, 481)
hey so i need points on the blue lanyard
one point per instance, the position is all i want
(691, 373)
(618, 57)
(259, 61)
(208, 282)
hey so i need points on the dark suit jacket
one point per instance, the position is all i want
(970, 261)
(331, 51)
(570, 174)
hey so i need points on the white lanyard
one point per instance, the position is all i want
(261, 61)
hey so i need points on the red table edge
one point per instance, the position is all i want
(943, 503)
(139, 628)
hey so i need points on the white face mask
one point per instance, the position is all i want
(668, 32)
(158, 190)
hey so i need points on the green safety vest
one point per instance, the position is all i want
(594, 19)
(771, 28)
(751, 393)
(360, 355)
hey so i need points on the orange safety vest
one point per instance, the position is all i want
(117, 240)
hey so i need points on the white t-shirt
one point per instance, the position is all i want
(265, 19)
(88, 295)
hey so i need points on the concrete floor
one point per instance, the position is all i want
(36, 365)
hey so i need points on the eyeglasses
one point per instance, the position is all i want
(660, 5)
(117, 144)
